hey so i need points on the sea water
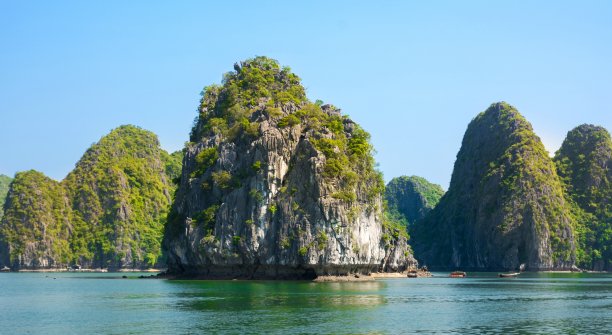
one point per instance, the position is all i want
(106, 303)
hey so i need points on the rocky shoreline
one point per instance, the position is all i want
(352, 277)
(372, 276)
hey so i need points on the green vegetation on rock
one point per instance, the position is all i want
(121, 194)
(5, 182)
(410, 198)
(173, 164)
(505, 205)
(260, 85)
(36, 223)
(394, 227)
(257, 82)
(205, 159)
(108, 212)
(282, 167)
(584, 163)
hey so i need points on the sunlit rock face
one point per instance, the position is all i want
(275, 186)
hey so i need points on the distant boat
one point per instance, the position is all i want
(509, 275)
(5, 269)
(458, 274)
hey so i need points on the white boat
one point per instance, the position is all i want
(509, 275)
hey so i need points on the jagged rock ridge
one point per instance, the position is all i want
(505, 205)
(275, 186)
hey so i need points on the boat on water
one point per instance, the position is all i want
(509, 275)
(5, 269)
(458, 274)
(512, 274)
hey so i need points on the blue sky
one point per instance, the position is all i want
(412, 73)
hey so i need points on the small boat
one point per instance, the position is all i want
(5, 269)
(458, 274)
(413, 274)
(509, 275)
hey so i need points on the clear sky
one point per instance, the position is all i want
(412, 73)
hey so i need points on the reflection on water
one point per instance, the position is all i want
(479, 304)
(277, 306)
(242, 295)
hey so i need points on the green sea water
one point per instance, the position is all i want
(105, 303)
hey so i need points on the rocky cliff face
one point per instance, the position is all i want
(5, 181)
(505, 205)
(412, 197)
(109, 212)
(274, 186)
(35, 229)
(584, 163)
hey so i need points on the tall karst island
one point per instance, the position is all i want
(505, 205)
(276, 186)
(584, 163)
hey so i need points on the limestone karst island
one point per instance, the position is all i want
(305, 167)
(272, 185)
